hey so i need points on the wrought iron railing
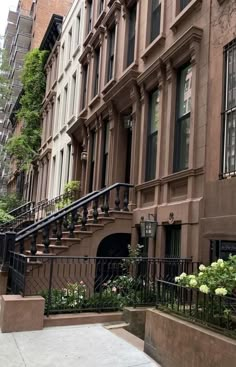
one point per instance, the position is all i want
(21, 209)
(29, 213)
(72, 284)
(67, 218)
(207, 309)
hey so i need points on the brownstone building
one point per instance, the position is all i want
(219, 222)
(143, 113)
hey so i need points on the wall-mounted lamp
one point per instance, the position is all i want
(84, 156)
(148, 227)
(128, 122)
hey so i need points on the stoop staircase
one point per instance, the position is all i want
(77, 229)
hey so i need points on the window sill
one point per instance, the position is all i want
(83, 112)
(72, 119)
(194, 4)
(94, 101)
(88, 38)
(68, 65)
(56, 137)
(63, 129)
(100, 19)
(156, 43)
(76, 51)
(54, 84)
(60, 77)
(133, 65)
(108, 86)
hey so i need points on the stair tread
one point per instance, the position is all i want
(65, 238)
(53, 246)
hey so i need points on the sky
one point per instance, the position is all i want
(5, 5)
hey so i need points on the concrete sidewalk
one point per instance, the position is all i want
(70, 346)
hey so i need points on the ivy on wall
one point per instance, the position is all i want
(24, 147)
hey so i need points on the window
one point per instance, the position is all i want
(92, 161)
(90, 11)
(85, 76)
(100, 6)
(53, 175)
(173, 240)
(64, 113)
(73, 91)
(105, 154)
(111, 51)
(77, 29)
(183, 4)
(229, 122)
(96, 70)
(155, 19)
(69, 44)
(57, 122)
(182, 125)
(131, 35)
(62, 57)
(60, 171)
(68, 162)
(152, 133)
(52, 120)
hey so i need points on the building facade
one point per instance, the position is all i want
(26, 28)
(66, 99)
(218, 222)
(143, 113)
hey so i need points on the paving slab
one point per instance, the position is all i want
(73, 346)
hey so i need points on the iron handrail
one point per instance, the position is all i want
(21, 207)
(41, 204)
(41, 221)
(68, 210)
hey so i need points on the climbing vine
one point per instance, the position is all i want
(24, 146)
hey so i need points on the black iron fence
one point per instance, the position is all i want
(30, 213)
(210, 310)
(77, 284)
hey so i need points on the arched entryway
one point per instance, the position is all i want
(113, 246)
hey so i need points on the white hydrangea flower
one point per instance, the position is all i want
(220, 291)
(202, 267)
(214, 264)
(200, 274)
(193, 283)
(220, 261)
(182, 276)
(177, 279)
(204, 289)
(192, 276)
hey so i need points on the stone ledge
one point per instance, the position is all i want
(19, 313)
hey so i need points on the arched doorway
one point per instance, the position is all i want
(113, 246)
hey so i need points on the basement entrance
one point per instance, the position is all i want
(113, 246)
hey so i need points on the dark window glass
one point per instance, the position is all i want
(90, 11)
(105, 154)
(155, 19)
(173, 240)
(152, 133)
(101, 6)
(131, 35)
(60, 171)
(68, 162)
(96, 70)
(229, 123)
(183, 4)
(85, 74)
(111, 55)
(182, 126)
(92, 161)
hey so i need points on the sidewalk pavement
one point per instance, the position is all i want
(70, 346)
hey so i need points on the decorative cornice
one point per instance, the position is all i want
(85, 57)
(113, 15)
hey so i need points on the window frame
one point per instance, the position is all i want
(96, 71)
(226, 112)
(177, 165)
(150, 169)
(132, 8)
(152, 22)
(110, 54)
